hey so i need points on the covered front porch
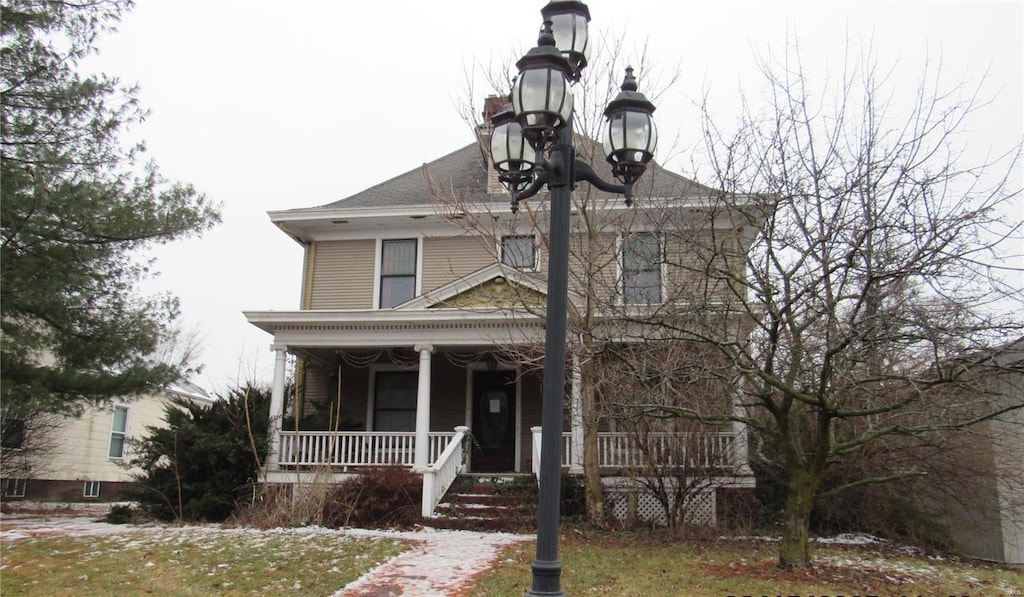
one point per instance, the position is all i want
(432, 391)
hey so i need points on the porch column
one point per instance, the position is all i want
(423, 408)
(740, 449)
(276, 404)
(576, 417)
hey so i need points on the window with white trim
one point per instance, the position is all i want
(397, 272)
(394, 400)
(118, 432)
(14, 487)
(519, 251)
(641, 268)
(91, 489)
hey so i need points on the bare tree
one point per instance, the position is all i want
(678, 461)
(858, 289)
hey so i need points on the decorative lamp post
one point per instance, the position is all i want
(532, 146)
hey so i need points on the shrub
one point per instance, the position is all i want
(191, 468)
(387, 496)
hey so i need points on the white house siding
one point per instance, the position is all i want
(78, 451)
(1008, 472)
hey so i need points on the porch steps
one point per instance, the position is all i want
(489, 502)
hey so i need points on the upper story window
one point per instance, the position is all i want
(641, 268)
(118, 432)
(519, 251)
(397, 272)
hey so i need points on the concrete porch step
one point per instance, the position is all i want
(489, 502)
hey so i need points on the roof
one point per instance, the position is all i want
(187, 389)
(465, 171)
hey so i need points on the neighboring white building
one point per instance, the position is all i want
(990, 524)
(85, 458)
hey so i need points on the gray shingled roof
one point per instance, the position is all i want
(464, 171)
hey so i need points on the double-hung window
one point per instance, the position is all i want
(118, 432)
(394, 400)
(397, 272)
(641, 268)
(519, 251)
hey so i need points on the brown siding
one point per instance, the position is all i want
(447, 394)
(343, 275)
(449, 258)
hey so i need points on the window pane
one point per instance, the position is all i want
(518, 251)
(395, 420)
(641, 268)
(394, 401)
(398, 257)
(120, 419)
(116, 446)
(395, 290)
(396, 389)
(641, 252)
(643, 287)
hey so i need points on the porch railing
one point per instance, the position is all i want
(441, 474)
(356, 448)
(620, 450)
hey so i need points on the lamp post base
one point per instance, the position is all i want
(546, 579)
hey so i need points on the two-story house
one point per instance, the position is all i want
(422, 301)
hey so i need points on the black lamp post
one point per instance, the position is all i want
(539, 123)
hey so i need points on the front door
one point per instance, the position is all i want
(494, 421)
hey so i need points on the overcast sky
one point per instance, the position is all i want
(266, 106)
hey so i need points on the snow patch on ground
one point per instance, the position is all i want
(439, 563)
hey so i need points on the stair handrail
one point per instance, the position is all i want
(438, 477)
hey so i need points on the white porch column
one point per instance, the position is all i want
(740, 450)
(576, 417)
(276, 404)
(423, 408)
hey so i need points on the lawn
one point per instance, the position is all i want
(212, 561)
(190, 561)
(645, 565)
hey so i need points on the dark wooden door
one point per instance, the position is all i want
(494, 421)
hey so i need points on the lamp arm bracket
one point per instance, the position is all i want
(539, 179)
(585, 172)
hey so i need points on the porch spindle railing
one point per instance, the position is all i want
(620, 450)
(441, 474)
(356, 448)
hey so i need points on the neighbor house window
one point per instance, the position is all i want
(397, 272)
(12, 437)
(519, 251)
(394, 401)
(118, 432)
(641, 268)
(91, 490)
(14, 487)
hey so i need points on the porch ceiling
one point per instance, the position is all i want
(372, 329)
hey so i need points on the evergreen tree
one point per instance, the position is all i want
(77, 209)
(191, 468)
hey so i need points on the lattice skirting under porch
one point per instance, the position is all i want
(626, 501)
